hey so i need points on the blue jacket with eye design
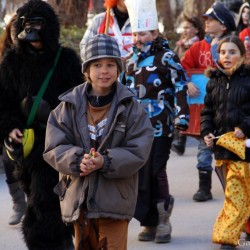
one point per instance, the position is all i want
(156, 77)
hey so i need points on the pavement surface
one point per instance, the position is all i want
(192, 222)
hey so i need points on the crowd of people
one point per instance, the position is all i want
(86, 139)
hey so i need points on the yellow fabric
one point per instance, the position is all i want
(233, 144)
(236, 209)
(28, 141)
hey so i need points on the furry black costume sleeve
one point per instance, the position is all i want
(22, 73)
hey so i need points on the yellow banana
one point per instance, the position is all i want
(28, 141)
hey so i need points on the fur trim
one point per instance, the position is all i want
(209, 72)
(230, 71)
(214, 72)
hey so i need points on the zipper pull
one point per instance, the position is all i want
(227, 85)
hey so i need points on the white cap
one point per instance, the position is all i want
(142, 15)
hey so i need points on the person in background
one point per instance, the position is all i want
(114, 22)
(7, 42)
(227, 109)
(241, 13)
(219, 23)
(244, 33)
(193, 31)
(8, 38)
(106, 153)
(154, 73)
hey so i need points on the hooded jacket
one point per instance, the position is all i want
(227, 106)
(110, 192)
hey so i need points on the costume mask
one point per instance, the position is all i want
(31, 28)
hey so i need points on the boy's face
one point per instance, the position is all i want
(214, 27)
(140, 38)
(103, 73)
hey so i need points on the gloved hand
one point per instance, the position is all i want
(181, 124)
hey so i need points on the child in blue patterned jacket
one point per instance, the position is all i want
(154, 73)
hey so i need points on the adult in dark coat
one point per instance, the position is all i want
(22, 73)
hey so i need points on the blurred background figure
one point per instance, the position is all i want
(7, 42)
(240, 11)
(113, 22)
(193, 31)
(244, 32)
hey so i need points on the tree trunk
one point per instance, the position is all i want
(165, 14)
(196, 8)
(2, 9)
(9, 7)
(71, 12)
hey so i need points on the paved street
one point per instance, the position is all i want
(192, 222)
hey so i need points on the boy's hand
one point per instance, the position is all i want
(91, 162)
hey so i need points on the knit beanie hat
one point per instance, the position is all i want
(101, 46)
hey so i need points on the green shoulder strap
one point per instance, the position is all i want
(36, 103)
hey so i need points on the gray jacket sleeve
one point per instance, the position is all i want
(61, 150)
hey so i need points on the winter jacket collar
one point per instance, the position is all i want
(241, 69)
(99, 101)
(74, 95)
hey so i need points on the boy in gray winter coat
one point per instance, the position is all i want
(98, 138)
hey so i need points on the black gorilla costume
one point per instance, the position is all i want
(22, 73)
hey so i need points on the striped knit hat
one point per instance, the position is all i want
(101, 46)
